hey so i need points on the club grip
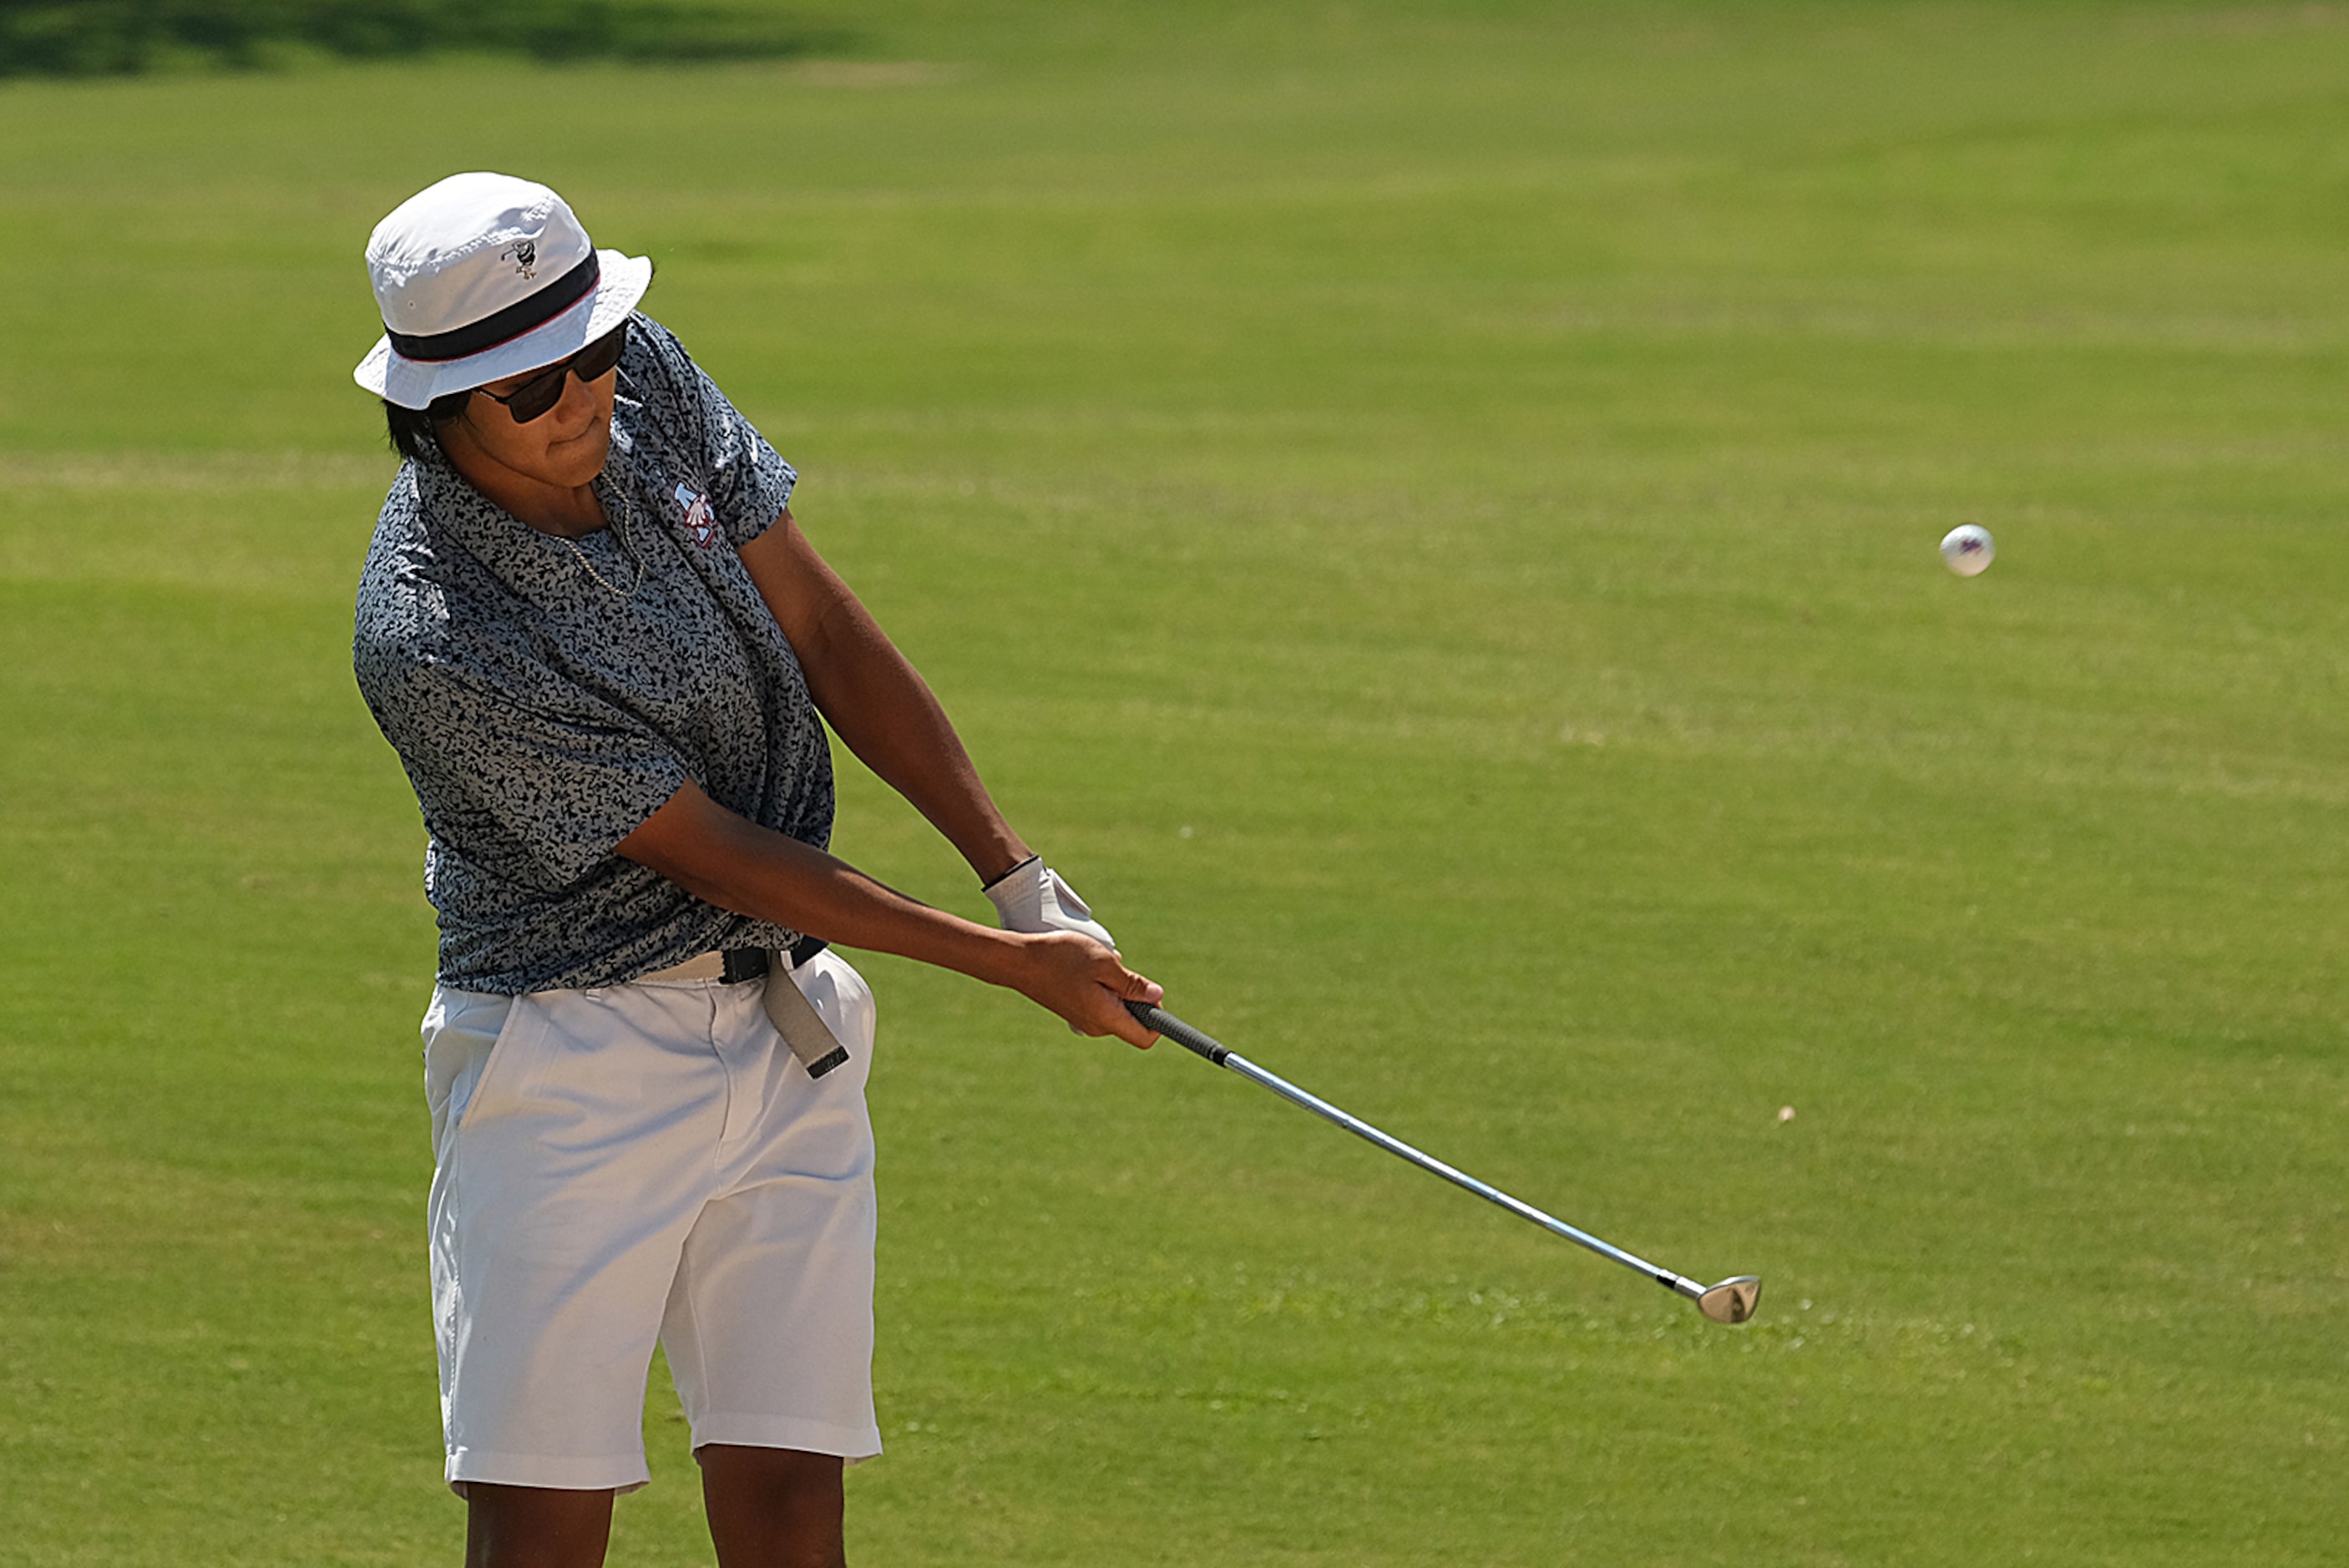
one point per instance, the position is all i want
(1159, 1021)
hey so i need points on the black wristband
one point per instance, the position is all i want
(1007, 876)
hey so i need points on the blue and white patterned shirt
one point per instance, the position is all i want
(543, 716)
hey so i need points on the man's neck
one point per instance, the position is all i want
(571, 511)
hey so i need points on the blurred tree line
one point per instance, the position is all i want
(114, 37)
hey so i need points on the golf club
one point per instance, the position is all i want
(1730, 1301)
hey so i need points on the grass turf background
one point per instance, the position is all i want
(1429, 518)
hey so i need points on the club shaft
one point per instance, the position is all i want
(1165, 1023)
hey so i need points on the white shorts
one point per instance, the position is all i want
(642, 1163)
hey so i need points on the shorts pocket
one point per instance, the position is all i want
(840, 998)
(467, 1036)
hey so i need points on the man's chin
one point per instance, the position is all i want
(583, 459)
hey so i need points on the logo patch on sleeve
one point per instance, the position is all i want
(699, 520)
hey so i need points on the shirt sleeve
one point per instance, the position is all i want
(519, 771)
(750, 484)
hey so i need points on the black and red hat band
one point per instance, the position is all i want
(503, 325)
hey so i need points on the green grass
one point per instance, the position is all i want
(1428, 515)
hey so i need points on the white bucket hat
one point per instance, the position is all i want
(484, 276)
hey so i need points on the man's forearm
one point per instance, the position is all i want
(729, 860)
(879, 703)
(725, 860)
(875, 699)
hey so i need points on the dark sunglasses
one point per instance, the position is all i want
(544, 390)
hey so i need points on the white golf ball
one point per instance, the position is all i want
(1967, 549)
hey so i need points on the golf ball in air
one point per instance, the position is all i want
(1967, 549)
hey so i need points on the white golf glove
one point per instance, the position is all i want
(1032, 897)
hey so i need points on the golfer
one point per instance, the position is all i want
(607, 656)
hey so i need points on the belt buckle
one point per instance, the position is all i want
(743, 964)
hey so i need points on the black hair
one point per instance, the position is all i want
(411, 429)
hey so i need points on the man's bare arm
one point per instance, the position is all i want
(725, 859)
(875, 700)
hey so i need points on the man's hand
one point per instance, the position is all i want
(1032, 896)
(1083, 982)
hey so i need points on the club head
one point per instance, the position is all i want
(1730, 1301)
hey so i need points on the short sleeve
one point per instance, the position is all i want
(750, 484)
(533, 779)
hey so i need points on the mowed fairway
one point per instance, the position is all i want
(1429, 519)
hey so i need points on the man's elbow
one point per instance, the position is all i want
(691, 840)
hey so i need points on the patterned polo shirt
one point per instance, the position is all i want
(546, 696)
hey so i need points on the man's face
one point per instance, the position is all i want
(564, 446)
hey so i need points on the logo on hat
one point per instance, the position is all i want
(698, 519)
(525, 258)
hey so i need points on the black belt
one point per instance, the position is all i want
(749, 962)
